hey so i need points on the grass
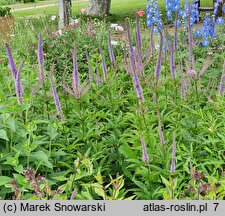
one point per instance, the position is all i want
(30, 4)
(119, 9)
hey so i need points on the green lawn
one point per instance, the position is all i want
(22, 5)
(119, 9)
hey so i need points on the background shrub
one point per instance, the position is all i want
(5, 11)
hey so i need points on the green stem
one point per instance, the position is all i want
(197, 93)
(45, 96)
(28, 150)
(172, 189)
(149, 175)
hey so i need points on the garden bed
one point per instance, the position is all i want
(103, 111)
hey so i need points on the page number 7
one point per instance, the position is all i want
(216, 205)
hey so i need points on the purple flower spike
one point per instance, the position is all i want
(222, 81)
(131, 67)
(173, 160)
(144, 150)
(40, 55)
(152, 45)
(159, 60)
(138, 88)
(139, 47)
(138, 33)
(104, 68)
(176, 32)
(111, 53)
(190, 39)
(98, 80)
(75, 77)
(11, 61)
(55, 95)
(18, 86)
(161, 136)
(132, 55)
(127, 64)
(172, 63)
(16, 74)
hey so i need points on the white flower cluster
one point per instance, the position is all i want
(117, 27)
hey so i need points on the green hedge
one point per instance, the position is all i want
(28, 1)
(5, 11)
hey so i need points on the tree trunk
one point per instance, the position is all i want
(64, 12)
(108, 7)
(98, 7)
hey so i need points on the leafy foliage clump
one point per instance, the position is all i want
(129, 134)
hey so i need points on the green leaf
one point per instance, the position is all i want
(99, 190)
(19, 169)
(42, 157)
(14, 161)
(21, 179)
(126, 150)
(60, 178)
(52, 132)
(99, 178)
(11, 124)
(165, 181)
(3, 135)
(4, 180)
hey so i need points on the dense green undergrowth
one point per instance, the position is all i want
(95, 152)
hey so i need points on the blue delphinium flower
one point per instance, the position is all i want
(209, 24)
(192, 11)
(177, 23)
(153, 15)
(220, 21)
(172, 6)
(174, 11)
(205, 43)
(208, 29)
(223, 9)
(198, 32)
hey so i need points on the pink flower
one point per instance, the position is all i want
(75, 25)
(92, 32)
(140, 13)
(50, 30)
(90, 25)
(59, 32)
(52, 36)
(67, 28)
(86, 32)
(122, 36)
